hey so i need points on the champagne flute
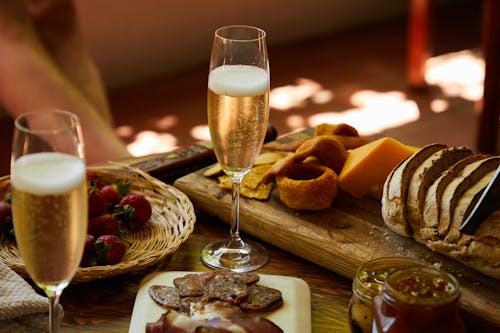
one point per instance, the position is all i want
(49, 199)
(238, 112)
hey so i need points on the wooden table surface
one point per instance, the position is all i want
(106, 305)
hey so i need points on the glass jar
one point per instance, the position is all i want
(418, 299)
(367, 284)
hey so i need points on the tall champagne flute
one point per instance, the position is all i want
(238, 112)
(49, 199)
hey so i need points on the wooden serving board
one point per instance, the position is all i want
(340, 238)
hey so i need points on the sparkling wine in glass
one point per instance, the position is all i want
(49, 199)
(238, 112)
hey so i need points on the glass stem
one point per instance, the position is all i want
(54, 313)
(235, 241)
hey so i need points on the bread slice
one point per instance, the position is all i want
(465, 205)
(425, 175)
(394, 196)
(430, 210)
(483, 252)
(469, 176)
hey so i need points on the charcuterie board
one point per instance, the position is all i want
(293, 317)
(339, 238)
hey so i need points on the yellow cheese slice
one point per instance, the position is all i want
(370, 164)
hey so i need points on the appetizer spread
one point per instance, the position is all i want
(426, 193)
(220, 299)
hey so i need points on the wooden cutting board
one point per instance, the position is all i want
(340, 238)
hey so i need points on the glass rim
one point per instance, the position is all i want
(261, 33)
(25, 115)
(369, 289)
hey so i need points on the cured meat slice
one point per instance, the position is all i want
(165, 296)
(226, 288)
(205, 311)
(425, 175)
(262, 299)
(257, 325)
(172, 321)
(247, 278)
(394, 197)
(191, 285)
(430, 211)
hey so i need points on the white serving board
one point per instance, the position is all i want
(293, 317)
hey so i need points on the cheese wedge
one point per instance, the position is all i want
(370, 164)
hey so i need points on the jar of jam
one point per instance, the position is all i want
(418, 299)
(367, 284)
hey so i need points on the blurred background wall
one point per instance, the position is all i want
(134, 40)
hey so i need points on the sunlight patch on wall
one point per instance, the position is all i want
(296, 95)
(296, 122)
(374, 112)
(167, 122)
(458, 74)
(125, 131)
(200, 132)
(150, 142)
(439, 105)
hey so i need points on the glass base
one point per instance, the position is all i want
(249, 257)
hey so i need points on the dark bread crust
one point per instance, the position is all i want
(431, 208)
(469, 176)
(394, 197)
(425, 175)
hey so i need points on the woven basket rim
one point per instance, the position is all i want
(171, 224)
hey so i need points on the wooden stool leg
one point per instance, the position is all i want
(419, 32)
(490, 108)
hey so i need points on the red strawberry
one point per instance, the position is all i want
(109, 249)
(97, 203)
(114, 192)
(88, 258)
(134, 209)
(6, 226)
(92, 175)
(93, 179)
(5, 212)
(104, 224)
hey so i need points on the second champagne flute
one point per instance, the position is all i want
(238, 112)
(49, 199)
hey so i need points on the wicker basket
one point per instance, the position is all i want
(171, 223)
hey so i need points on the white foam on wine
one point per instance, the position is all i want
(47, 173)
(238, 80)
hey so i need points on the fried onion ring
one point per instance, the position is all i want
(307, 186)
(326, 148)
(329, 150)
